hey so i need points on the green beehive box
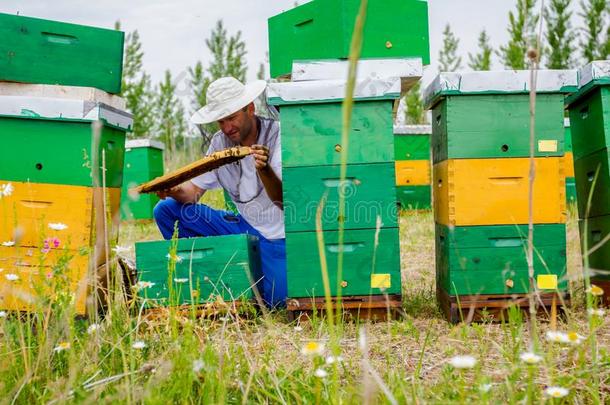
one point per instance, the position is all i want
(368, 190)
(205, 268)
(51, 52)
(414, 197)
(322, 29)
(143, 162)
(412, 146)
(487, 114)
(589, 109)
(598, 229)
(311, 133)
(585, 170)
(568, 135)
(361, 260)
(48, 140)
(490, 259)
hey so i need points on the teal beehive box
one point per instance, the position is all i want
(322, 29)
(41, 51)
(197, 270)
(143, 162)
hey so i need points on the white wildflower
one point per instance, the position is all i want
(556, 337)
(599, 312)
(334, 359)
(181, 280)
(58, 226)
(312, 348)
(485, 388)
(298, 328)
(12, 277)
(61, 347)
(530, 358)
(556, 392)
(138, 345)
(176, 258)
(140, 285)
(94, 327)
(121, 249)
(198, 365)
(463, 362)
(8, 243)
(595, 290)
(3, 314)
(320, 373)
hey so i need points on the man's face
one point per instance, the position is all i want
(238, 125)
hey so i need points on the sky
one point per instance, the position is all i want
(173, 32)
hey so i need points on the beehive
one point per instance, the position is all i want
(481, 149)
(311, 152)
(51, 52)
(201, 270)
(59, 172)
(143, 162)
(303, 33)
(569, 165)
(589, 111)
(413, 166)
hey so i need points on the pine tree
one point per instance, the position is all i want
(522, 32)
(448, 59)
(228, 59)
(414, 112)
(559, 35)
(594, 15)
(482, 60)
(170, 125)
(136, 87)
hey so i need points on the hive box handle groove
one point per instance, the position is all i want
(347, 247)
(36, 204)
(62, 39)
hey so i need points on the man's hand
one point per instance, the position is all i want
(261, 156)
(163, 194)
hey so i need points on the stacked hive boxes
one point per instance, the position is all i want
(589, 112)
(412, 154)
(197, 270)
(54, 172)
(569, 164)
(310, 112)
(480, 144)
(143, 162)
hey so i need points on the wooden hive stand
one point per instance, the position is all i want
(364, 307)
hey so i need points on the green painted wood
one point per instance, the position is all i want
(495, 126)
(584, 172)
(40, 51)
(567, 146)
(215, 266)
(58, 152)
(322, 29)
(360, 259)
(414, 197)
(369, 191)
(311, 134)
(480, 259)
(412, 147)
(597, 229)
(571, 193)
(590, 122)
(142, 164)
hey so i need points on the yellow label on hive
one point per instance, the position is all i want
(547, 281)
(381, 281)
(547, 145)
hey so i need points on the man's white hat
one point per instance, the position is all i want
(226, 96)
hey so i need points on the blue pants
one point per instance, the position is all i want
(200, 220)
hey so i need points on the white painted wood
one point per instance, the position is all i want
(143, 143)
(62, 92)
(595, 70)
(412, 129)
(367, 69)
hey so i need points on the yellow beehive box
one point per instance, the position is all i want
(495, 191)
(47, 230)
(569, 164)
(412, 172)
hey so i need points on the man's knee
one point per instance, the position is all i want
(166, 208)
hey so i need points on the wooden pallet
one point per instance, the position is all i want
(476, 308)
(371, 307)
(604, 285)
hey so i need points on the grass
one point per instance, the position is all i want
(259, 359)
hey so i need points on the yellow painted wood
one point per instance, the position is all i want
(495, 191)
(25, 215)
(412, 172)
(41, 276)
(569, 164)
